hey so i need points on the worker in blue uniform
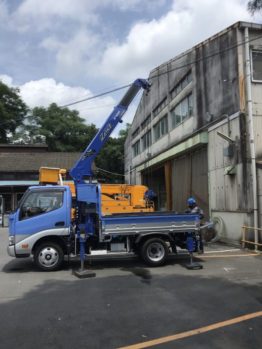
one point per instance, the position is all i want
(193, 208)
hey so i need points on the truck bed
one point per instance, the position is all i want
(148, 222)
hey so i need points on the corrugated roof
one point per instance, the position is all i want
(15, 162)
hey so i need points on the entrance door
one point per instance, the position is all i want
(190, 178)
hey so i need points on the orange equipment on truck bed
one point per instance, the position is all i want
(116, 198)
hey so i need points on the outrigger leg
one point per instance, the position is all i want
(191, 246)
(83, 273)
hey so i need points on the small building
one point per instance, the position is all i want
(198, 132)
(19, 168)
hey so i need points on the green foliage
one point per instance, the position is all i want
(111, 157)
(63, 129)
(12, 111)
(254, 6)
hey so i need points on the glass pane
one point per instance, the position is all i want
(177, 115)
(157, 131)
(184, 108)
(8, 202)
(149, 138)
(164, 125)
(189, 77)
(257, 65)
(190, 104)
(40, 202)
(184, 83)
(144, 142)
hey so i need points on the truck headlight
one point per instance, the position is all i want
(11, 240)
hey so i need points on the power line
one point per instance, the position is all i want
(168, 70)
(202, 58)
(163, 73)
(96, 96)
(113, 173)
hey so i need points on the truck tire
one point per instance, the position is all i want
(49, 256)
(154, 252)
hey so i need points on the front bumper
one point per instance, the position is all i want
(11, 250)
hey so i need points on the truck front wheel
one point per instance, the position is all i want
(154, 252)
(48, 256)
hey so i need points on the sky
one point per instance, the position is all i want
(63, 51)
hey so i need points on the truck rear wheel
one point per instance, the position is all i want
(48, 256)
(154, 252)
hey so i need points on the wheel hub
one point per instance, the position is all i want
(156, 252)
(48, 257)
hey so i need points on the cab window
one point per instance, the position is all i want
(37, 203)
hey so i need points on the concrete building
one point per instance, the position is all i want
(198, 131)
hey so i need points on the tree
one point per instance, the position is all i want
(111, 157)
(12, 111)
(63, 129)
(254, 6)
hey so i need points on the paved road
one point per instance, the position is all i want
(128, 303)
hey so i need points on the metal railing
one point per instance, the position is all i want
(245, 241)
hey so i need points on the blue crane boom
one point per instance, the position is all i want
(83, 167)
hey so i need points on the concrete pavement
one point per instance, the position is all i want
(128, 303)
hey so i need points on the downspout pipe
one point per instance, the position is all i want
(251, 136)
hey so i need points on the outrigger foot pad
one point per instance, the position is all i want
(84, 273)
(194, 266)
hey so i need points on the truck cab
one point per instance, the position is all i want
(44, 213)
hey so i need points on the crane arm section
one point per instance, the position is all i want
(83, 167)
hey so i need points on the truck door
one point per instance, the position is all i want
(41, 211)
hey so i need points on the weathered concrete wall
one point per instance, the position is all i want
(230, 179)
(214, 87)
(218, 89)
(259, 179)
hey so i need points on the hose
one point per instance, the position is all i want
(218, 226)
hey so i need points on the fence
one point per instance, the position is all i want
(250, 231)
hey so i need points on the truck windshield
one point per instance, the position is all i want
(39, 202)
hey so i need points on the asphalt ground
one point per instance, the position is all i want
(127, 303)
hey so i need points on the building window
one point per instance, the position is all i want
(136, 148)
(147, 140)
(135, 133)
(160, 107)
(146, 122)
(257, 65)
(182, 111)
(161, 128)
(182, 84)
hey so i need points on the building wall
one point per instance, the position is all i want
(259, 172)
(213, 80)
(218, 87)
(230, 190)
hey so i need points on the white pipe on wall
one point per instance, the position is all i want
(251, 135)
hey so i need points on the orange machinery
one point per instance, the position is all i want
(116, 198)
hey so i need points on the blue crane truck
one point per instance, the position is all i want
(43, 227)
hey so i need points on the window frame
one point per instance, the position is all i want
(31, 192)
(161, 128)
(183, 117)
(182, 84)
(252, 65)
(146, 140)
(135, 146)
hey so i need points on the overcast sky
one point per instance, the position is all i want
(65, 50)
